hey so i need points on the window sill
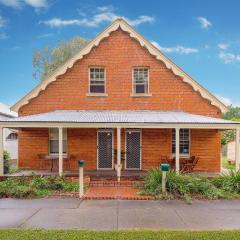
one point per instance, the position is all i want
(141, 95)
(96, 94)
(182, 155)
(56, 154)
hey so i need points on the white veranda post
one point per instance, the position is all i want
(1, 153)
(118, 153)
(177, 154)
(60, 151)
(237, 151)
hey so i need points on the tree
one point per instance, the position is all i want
(46, 61)
(234, 115)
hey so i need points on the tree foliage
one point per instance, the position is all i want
(234, 115)
(46, 61)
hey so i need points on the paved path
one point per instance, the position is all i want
(118, 214)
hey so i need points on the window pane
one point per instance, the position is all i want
(53, 146)
(97, 89)
(97, 80)
(140, 80)
(53, 140)
(140, 88)
(184, 141)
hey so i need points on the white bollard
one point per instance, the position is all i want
(164, 174)
(81, 182)
(165, 168)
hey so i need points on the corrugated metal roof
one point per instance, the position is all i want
(119, 116)
(5, 116)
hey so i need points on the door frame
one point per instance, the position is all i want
(133, 130)
(111, 131)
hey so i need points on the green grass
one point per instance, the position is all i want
(19, 234)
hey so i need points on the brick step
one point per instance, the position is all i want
(118, 197)
(110, 183)
(113, 178)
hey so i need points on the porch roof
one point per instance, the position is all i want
(129, 117)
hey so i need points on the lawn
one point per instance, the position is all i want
(17, 234)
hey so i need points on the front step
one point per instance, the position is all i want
(111, 183)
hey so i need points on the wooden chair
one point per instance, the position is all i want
(42, 160)
(189, 166)
(164, 159)
(69, 159)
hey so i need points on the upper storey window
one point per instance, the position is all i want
(97, 80)
(140, 80)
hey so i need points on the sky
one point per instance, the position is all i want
(202, 37)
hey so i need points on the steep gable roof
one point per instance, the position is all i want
(121, 23)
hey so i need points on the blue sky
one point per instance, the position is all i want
(202, 37)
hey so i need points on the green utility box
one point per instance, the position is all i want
(81, 163)
(164, 167)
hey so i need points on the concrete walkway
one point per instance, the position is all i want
(56, 213)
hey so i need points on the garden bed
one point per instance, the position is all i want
(38, 187)
(188, 187)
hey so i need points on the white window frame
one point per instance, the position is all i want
(184, 155)
(89, 80)
(134, 84)
(64, 138)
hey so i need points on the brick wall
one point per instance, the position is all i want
(118, 54)
(82, 143)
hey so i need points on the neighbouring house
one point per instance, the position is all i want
(10, 136)
(231, 152)
(120, 104)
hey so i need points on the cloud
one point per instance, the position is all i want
(105, 14)
(105, 8)
(140, 20)
(223, 46)
(227, 101)
(37, 4)
(2, 22)
(178, 49)
(229, 57)
(204, 22)
(15, 48)
(46, 35)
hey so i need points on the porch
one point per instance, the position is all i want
(119, 143)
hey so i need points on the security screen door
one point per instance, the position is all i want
(133, 149)
(105, 149)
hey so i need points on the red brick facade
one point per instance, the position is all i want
(119, 53)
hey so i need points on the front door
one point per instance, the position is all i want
(133, 149)
(105, 149)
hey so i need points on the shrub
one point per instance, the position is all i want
(228, 182)
(57, 183)
(40, 182)
(180, 185)
(6, 158)
(36, 186)
(70, 186)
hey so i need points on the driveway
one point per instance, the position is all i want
(59, 213)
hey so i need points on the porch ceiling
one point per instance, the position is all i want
(119, 118)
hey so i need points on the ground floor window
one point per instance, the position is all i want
(184, 135)
(53, 141)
